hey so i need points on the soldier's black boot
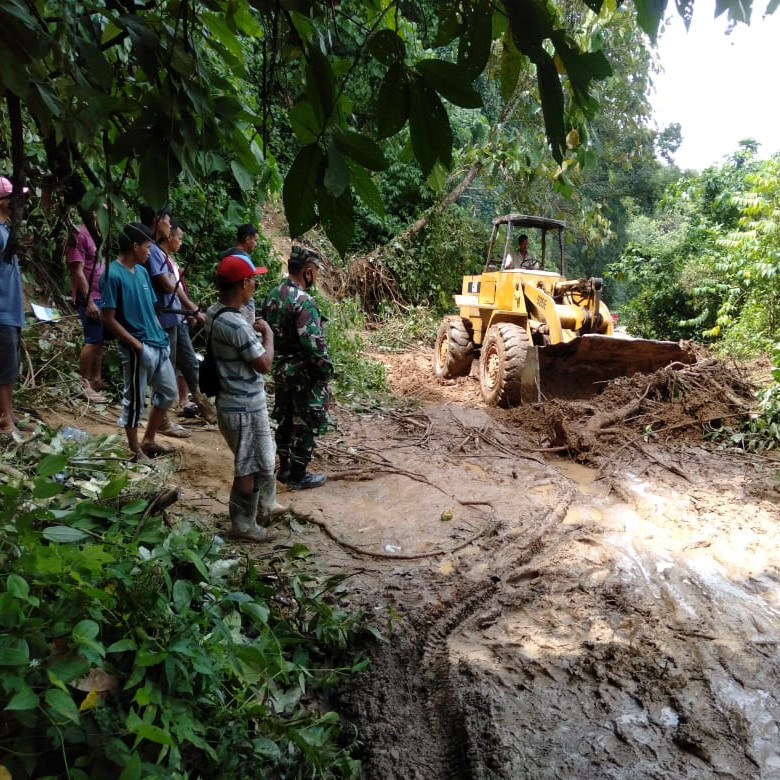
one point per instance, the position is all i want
(300, 479)
(283, 475)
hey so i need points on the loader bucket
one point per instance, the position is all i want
(579, 368)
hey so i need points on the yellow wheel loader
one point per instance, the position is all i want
(537, 334)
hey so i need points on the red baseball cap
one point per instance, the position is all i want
(236, 268)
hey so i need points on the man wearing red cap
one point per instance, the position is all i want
(11, 313)
(243, 353)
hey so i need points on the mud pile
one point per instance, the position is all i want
(672, 405)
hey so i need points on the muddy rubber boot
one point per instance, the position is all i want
(300, 479)
(242, 508)
(268, 507)
(283, 475)
(207, 410)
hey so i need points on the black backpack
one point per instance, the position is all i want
(208, 377)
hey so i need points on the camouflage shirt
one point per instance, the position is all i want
(299, 342)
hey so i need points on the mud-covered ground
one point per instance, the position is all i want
(578, 590)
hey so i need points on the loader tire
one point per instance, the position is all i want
(501, 364)
(454, 350)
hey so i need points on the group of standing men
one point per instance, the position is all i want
(141, 300)
(288, 338)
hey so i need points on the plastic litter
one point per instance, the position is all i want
(74, 434)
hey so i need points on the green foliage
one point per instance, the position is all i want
(357, 379)
(429, 269)
(167, 92)
(129, 649)
(399, 330)
(706, 263)
(760, 432)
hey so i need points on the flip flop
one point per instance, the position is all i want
(156, 449)
(176, 431)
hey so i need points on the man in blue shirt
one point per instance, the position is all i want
(11, 314)
(127, 302)
(171, 295)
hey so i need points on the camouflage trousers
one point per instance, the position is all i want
(301, 412)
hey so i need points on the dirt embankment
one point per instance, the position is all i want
(574, 590)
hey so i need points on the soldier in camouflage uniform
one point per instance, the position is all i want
(301, 368)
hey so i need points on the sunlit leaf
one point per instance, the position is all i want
(61, 703)
(63, 534)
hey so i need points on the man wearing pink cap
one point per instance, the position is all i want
(243, 353)
(11, 313)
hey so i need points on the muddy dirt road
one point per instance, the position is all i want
(571, 591)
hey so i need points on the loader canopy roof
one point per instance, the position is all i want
(508, 227)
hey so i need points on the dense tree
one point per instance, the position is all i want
(114, 90)
(705, 262)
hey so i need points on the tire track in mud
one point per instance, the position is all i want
(459, 757)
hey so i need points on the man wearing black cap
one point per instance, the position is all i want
(301, 368)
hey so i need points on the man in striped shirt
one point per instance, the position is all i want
(242, 354)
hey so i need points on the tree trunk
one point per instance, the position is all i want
(454, 195)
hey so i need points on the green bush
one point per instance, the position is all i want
(430, 268)
(357, 378)
(130, 649)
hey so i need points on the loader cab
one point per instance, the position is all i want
(545, 241)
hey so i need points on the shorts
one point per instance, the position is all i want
(248, 434)
(152, 367)
(10, 354)
(93, 331)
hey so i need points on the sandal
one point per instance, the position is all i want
(175, 430)
(91, 394)
(156, 449)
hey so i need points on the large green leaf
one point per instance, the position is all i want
(216, 26)
(366, 190)
(649, 14)
(337, 218)
(387, 47)
(450, 80)
(14, 652)
(551, 94)
(51, 464)
(320, 84)
(361, 149)
(429, 126)
(154, 177)
(511, 64)
(64, 534)
(393, 101)
(243, 177)
(26, 699)
(477, 38)
(61, 703)
(304, 122)
(336, 179)
(300, 183)
(581, 68)
(67, 667)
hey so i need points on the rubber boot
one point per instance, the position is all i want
(207, 410)
(268, 507)
(243, 509)
(283, 475)
(300, 479)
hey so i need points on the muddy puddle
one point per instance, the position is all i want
(616, 626)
